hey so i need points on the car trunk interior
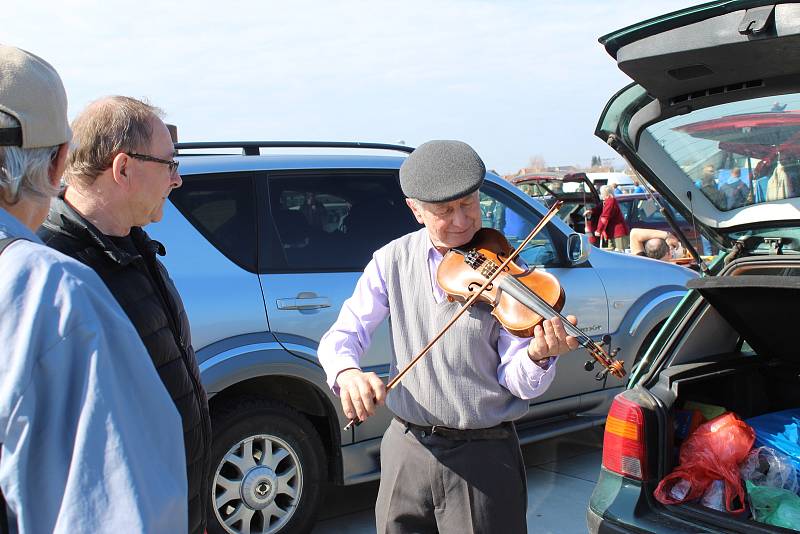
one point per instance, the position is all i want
(739, 355)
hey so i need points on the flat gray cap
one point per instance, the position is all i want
(440, 171)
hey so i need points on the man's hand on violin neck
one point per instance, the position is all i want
(551, 339)
(360, 393)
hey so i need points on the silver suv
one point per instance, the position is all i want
(265, 248)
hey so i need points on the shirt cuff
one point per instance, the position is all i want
(534, 371)
(342, 363)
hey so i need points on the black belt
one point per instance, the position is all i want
(501, 431)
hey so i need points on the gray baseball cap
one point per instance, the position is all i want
(440, 171)
(31, 91)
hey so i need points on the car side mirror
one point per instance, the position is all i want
(578, 248)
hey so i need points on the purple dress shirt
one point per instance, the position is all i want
(342, 346)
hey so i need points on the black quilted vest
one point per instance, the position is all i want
(144, 290)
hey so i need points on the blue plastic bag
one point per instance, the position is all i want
(781, 431)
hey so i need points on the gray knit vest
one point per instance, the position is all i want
(455, 384)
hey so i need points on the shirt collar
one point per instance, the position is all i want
(434, 260)
(433, 252)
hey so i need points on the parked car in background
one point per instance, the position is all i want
(582, 205)
(265, 248)
(575, 191)
(624, 182)
(644, 211)
(716, 86)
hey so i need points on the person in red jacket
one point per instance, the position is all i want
(612, 226)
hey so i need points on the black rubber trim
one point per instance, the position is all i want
(251, 148)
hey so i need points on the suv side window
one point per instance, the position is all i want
(222, 208)
(502, 211)
(333, 221)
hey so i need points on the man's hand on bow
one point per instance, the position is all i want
(360, 393)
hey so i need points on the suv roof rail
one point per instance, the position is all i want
(251, 148)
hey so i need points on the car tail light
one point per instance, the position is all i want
(623, 442)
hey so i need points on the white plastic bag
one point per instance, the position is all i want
(714, 497)
(765, 466)
(680, 489)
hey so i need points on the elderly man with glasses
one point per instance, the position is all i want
(119, 173)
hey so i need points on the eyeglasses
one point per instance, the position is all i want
(173, 165)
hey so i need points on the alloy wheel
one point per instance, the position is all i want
(257, 485)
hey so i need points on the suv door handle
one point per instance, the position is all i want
(303, 303)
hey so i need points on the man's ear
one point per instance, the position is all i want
(120, 169)
(58, 164)
(415, 209)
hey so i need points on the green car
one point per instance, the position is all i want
(712, 123)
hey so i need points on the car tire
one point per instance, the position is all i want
(281, 491)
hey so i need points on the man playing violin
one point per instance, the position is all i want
(450, 459)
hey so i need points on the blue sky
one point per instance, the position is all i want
(514, 79)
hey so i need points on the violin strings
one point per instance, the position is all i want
(540, 306)
(523, 294)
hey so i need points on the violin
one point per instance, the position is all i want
(521, 297)
(514, 295)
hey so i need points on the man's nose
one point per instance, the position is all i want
(177, 181)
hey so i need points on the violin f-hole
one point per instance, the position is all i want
(475, 286)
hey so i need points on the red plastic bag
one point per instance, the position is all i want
(712, 452)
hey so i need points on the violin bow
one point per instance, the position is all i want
(536, 229)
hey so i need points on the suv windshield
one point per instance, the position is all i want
(735, 154)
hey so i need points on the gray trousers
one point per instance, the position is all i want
(434, 484)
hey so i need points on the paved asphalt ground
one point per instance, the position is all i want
(561, 476)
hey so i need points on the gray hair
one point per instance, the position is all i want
(24, 171)
(421, 204)
(606, 190)
(656, 248)
(107, 127)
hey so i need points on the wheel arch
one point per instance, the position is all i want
(653, 310)
(270, 372)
